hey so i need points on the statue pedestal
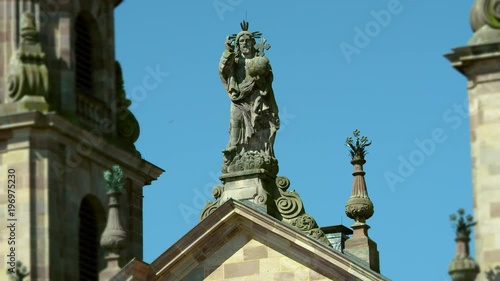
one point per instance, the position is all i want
(256, 186)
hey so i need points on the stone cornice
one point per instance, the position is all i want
(462, 57)
(71, 134)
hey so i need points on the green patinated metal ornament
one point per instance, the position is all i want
(463, 267)
(113, 179)
(20, 273)
(462, 224)
(358, 148)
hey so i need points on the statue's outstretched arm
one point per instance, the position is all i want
(226, 66)
(226, 62)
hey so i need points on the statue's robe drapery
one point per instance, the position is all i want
(254, 113)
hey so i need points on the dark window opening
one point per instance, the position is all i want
(88, 243)
(84, 56)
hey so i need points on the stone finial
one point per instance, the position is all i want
(359, 207)
(114, 238)
(21, 272)
(485, 22)
(291, 210)
(28, 73)
(463, 267)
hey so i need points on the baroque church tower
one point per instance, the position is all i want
(478, 61)
(63, 122)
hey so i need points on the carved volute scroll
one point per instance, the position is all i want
(28, 74)
(485, 12)
(291, 209)
(210, 207)
(485, 22)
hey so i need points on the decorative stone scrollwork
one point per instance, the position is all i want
(217, 191)
(127, 126)
(283, 183)
(359, 209)
(28, 74)
(292, 211)
(304, 222)
(250, 160)
(210, 207)
(261, 198)
(485, 12)
(289, 205)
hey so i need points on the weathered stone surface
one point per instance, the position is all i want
(247, 77)
(237, 242)
(270, 196)
(114, 238)
(53, 177)
(28, 73)
(359, 207)
(485, 22)
(250, 166)
(479, 63)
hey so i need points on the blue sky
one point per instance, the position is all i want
(376, 66)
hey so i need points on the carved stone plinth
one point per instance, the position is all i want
(361, 246)
(255, 186)
(270, 195)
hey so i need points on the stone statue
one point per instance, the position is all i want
(249, 171)
(247, 77)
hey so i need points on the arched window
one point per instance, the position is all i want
(86, 52)
(91, 218)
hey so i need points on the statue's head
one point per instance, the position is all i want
(245, 43)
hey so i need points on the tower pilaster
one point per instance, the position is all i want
(478, 61)
(63, 121)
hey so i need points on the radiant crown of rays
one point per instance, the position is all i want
(244, 30)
